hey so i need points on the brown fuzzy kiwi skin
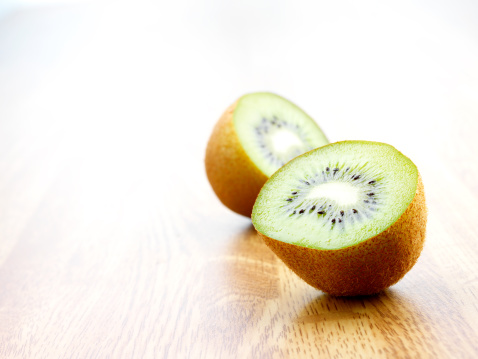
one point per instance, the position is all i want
(368, 267)
(235, 179)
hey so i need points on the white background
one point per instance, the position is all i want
(148, 74)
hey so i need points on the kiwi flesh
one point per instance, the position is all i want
(349, 218)
(254, 137)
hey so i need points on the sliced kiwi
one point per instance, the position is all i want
(257, 135)
(349, 217)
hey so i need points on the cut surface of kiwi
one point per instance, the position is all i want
(272, 130)
(350, 214)
(258, 134)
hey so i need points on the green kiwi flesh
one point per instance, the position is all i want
(336, 196)
(273, 130)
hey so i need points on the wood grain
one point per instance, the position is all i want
(112, 242)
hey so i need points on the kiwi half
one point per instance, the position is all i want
(254, 137)
(349, 218)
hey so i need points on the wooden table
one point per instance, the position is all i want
(113, 244)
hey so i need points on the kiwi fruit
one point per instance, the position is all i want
(254, 137)
(349, 218)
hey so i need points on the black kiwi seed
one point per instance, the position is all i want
(354, 210)
(333, 220)
(371, 182)
(341, 213)
(294, 192)
(294, 212)
(356, 177)
(336, 170)
(313, 207)
(289, 199)
(347, 169)
(327, 169)
(301, 211)
(307, 183)
(340, 221)
(321, 212)
(370, 194)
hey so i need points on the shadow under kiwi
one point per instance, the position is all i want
(386, 324)
(328, 307)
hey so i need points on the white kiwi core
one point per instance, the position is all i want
(343, 193)
(284, 141)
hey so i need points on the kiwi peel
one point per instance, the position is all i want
(349, 218)
(254, 137)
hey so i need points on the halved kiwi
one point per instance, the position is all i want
(254, 137)
(349, 218)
